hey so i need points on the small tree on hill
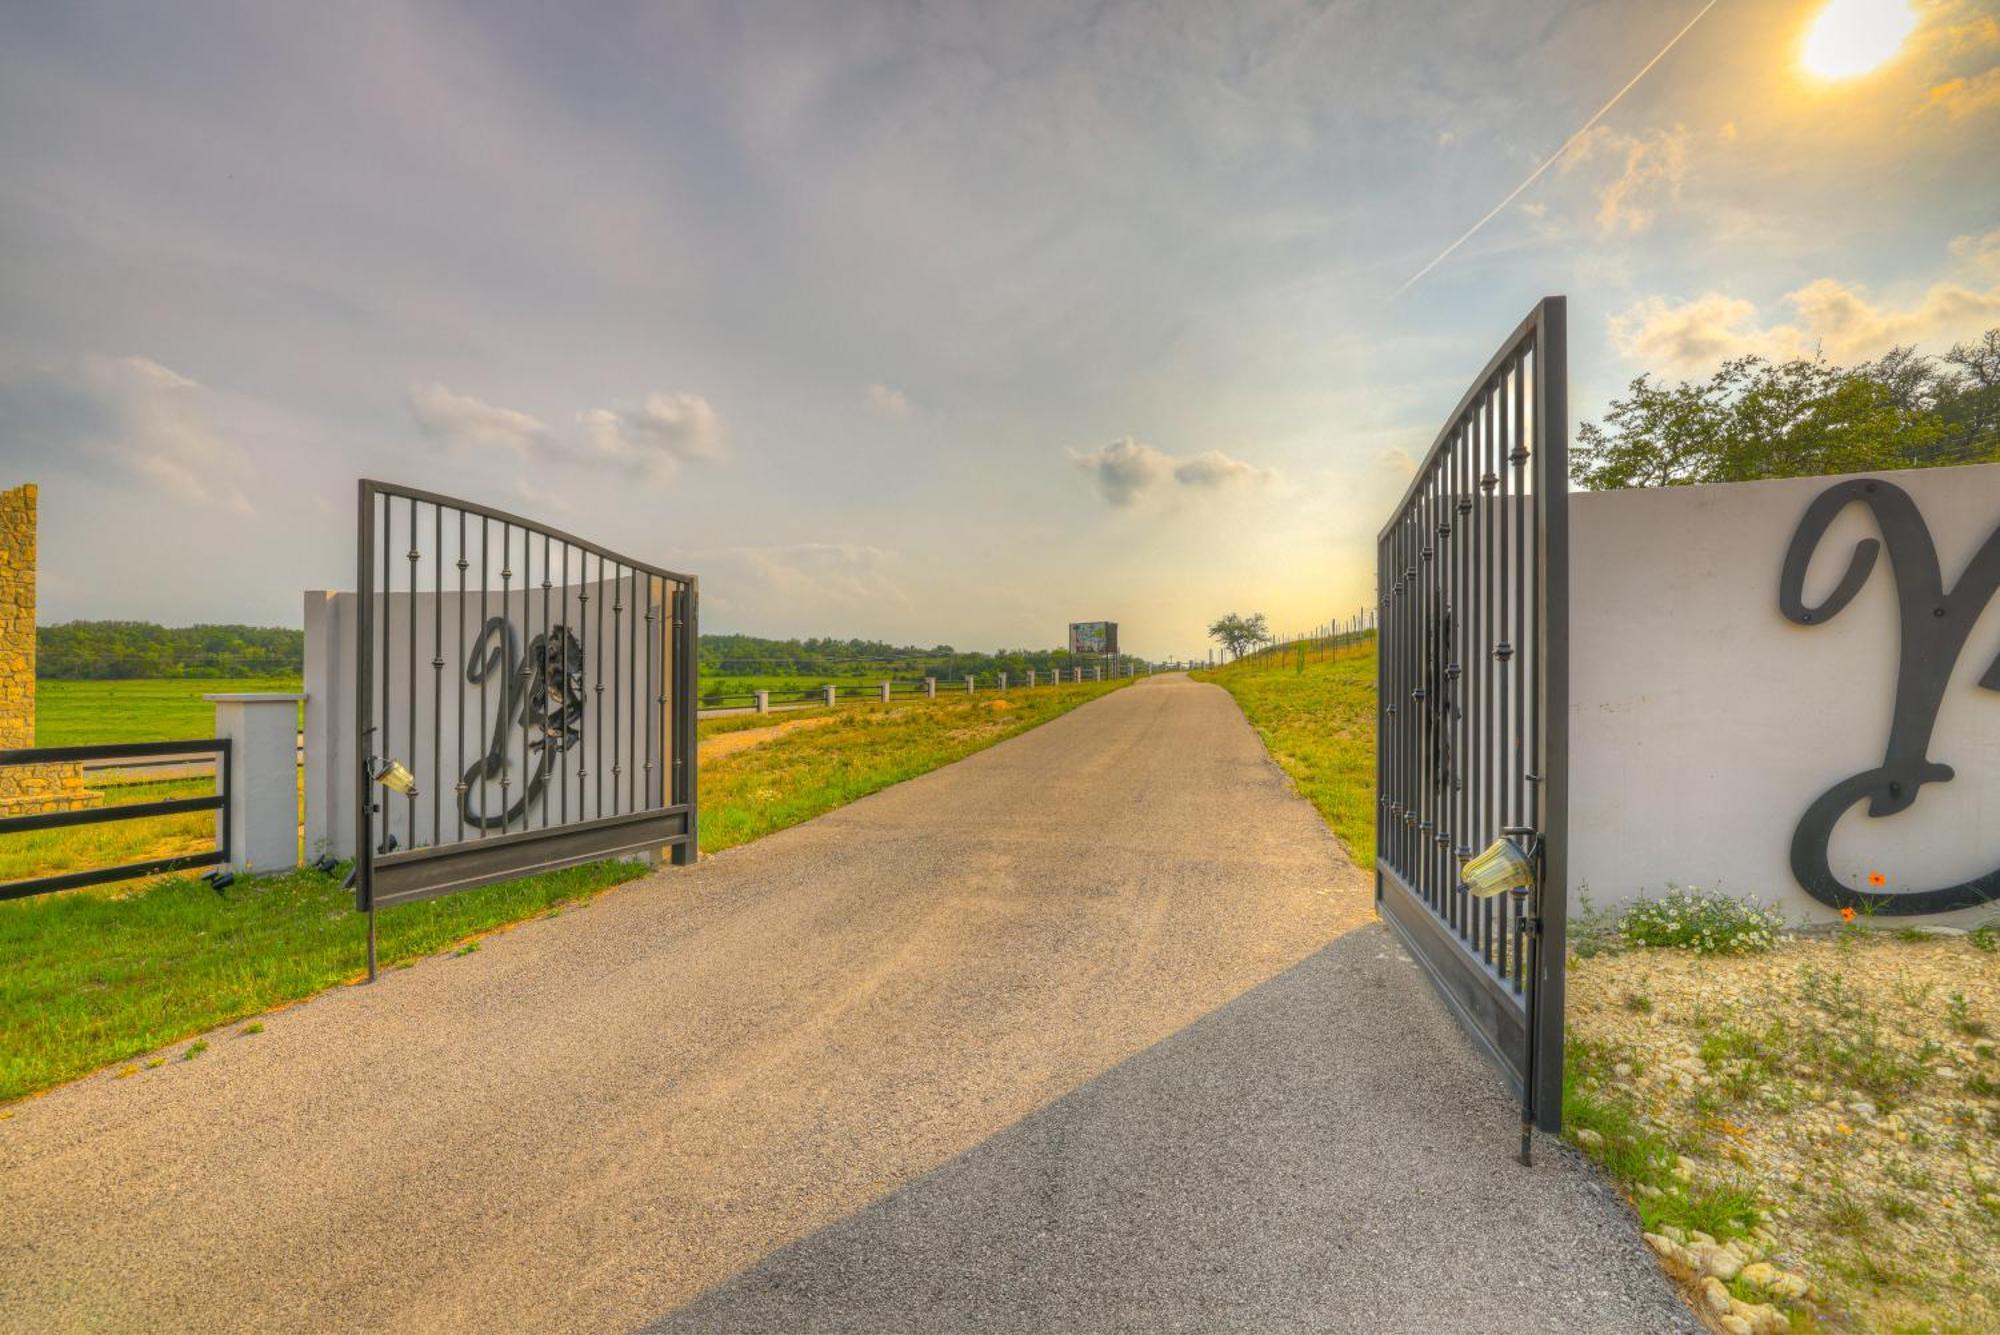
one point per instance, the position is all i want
(1239, 634)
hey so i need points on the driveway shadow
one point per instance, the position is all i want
(1325, 1152)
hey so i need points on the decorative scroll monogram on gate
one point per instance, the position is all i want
(541, 699)
(1934, 627)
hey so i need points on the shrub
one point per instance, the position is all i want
(1706, 923)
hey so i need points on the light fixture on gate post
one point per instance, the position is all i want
(1504, 865)
(393, 775)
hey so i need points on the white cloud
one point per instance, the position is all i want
(654, 438)
(1126, 470)
(461, 419)
(1651, 165)
(890, 403)
(129, 417)
(1214, 469)
(1831, 317)
(816, 575)
(663, 432)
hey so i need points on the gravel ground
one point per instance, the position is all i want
(1853, 1083)
(1093, 1029)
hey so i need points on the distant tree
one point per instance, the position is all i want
(1239, 634)
(1758, 419)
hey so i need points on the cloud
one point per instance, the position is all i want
(1966, 96)
(654, 438)
(890, 403)
(1831, 317)
(662, 433)
(461, 420)
(1126, 470)
(1214, 469)
(817, 575)
(132, 418)
(1651, 164)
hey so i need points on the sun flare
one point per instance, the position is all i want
(1852, 37)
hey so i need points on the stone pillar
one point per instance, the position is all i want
(26, 790)
(263, 782)
(968, 686)
(885, 692)
(829, 696)
(930, 687)
(17, 617)
(1003, 681)
(1031, 677)
(763, 702)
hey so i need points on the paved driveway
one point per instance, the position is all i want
(1094, 1030)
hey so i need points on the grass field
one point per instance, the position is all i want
(98, 976)
(80, 713)
(1317, 720)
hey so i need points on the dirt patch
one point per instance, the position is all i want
(731, 742)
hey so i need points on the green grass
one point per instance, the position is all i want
(80, 713)
(93, 979)
(798, 776)
(99, 976)
(1318, 722)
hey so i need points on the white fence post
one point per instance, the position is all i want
(1031, 676)
(968, 686)
(885, 692)
(1003, 681)
(763, 702)
(829, 696)
(263, 779)
(930, 687)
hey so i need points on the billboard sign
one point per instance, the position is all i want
(1093, 637)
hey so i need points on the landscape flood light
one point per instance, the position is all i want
(1504, 866)
(395, 776)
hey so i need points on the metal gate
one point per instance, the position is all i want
(1472, 581)
(525, 700)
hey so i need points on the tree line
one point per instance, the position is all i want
(1754, 418)
(121, 650)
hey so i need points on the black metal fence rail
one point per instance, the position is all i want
(218, 747)
(526, 698)
(1472, 574)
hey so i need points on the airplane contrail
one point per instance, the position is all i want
(1557, 156)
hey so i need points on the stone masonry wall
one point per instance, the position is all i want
(17, 617)
(26, 789)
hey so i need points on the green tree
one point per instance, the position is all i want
(1759, 419)
(1239, 634)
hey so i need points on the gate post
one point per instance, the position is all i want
(261, 781)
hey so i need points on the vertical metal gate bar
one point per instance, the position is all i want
(458, 767)
(1552, 669)
(410, 748)
(437, 673)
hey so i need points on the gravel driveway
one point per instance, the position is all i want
(1093, 1030)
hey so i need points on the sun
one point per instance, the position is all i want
(1852, 37)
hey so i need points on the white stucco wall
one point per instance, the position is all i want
(439, 748)
(1703, 723)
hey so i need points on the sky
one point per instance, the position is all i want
(941, 323)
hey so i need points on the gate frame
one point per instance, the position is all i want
(1480, 1002)
(440, 869)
